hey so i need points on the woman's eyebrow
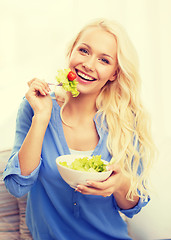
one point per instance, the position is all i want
(106, 55)
(103, 54)
(86, 45)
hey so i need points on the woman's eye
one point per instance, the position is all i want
(104, 60)
(83, 50)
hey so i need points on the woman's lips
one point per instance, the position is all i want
(85, 77)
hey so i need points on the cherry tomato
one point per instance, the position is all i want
(71, 76)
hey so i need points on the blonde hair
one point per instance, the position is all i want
(129, 139)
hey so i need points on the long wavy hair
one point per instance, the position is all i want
(129, 140)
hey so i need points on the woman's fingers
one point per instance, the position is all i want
(105, 188)
(38, 81)
(93, 191)
(39, 86)
(108, 183)
(39, 89)
(31, 81)
(39, 98)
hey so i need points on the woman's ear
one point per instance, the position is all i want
(114, 76)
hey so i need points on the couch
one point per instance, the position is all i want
(12, 210)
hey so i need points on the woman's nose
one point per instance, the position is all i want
(89, 65)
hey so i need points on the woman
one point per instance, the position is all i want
(107, 119)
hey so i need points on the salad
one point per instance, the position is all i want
(86, 164)
(68, 80)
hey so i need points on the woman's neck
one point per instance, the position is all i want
(79, 110)
(83, 104)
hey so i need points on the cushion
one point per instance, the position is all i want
(9, 213)
(24, 232)
(12, 210)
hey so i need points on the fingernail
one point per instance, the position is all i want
(89, 183)
(77, 190)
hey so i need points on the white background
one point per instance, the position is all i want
(33, 38)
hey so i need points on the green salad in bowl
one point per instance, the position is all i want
(87, 164)
(78, 169)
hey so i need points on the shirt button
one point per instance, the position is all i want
(75, 204)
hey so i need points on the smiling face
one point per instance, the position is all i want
(94, 60)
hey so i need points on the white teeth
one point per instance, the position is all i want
(84, 76)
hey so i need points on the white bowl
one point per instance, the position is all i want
(75, 177)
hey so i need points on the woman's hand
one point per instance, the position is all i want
(41, 102)
(117, 184)
(107, 187)
(39, 98)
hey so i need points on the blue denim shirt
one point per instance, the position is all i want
(54, 209)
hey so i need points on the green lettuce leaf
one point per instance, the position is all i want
(70, 86)
(93, 164)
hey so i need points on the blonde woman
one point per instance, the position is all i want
(107, 119)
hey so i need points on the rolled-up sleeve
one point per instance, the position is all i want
(17, 184)
(132, 211)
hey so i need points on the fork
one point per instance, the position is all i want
(55, 84)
